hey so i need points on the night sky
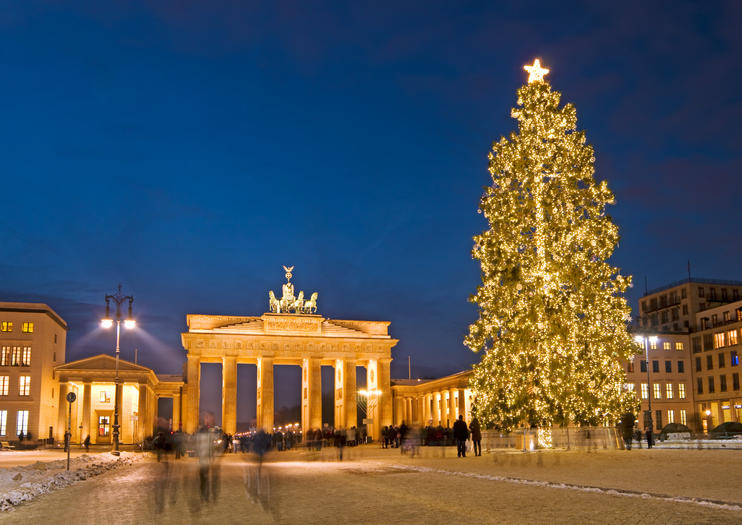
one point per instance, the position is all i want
(189, 149)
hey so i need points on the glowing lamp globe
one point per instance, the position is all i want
(106, 323)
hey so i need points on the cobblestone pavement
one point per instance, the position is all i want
(294, 489)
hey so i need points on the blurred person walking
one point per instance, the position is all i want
(627, 428)
(476, 436)
(460, 434)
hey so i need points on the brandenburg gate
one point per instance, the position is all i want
(292, 333)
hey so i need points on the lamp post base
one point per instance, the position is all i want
(115, 453)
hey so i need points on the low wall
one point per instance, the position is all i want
(584, 438)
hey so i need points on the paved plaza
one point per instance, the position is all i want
(381, 486)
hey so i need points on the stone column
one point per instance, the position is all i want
(345, 393)
(192, 390)
(311, 396)
(452, 405)
(86, 388)
(176, 412)
(385, 385)
(264, 397)
(372, 402)
(145, 412)
(398, 410)
(462, 405)
(441, 406)
(427, 416)
(229, 394)
(64, 388)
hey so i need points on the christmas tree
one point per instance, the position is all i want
(552, 321)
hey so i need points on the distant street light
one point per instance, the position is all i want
(129, 323)
(643, 339)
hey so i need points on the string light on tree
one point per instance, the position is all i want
(552, 323)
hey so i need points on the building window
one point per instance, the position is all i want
(105, 396)
(700, 291)
(721, 360)
(24, 385)
(732, 337)
(643, 365)
(645, 391)
(722, 383)
(708, 342)
(3, 422)
(666, 345)
(698, 364)
(664, 316)
(712, 389)
(630, 367)
(685, 309)
(700, 385)
(681, 367)
(5, 356)
(709, 362)
(719, 340)
(55, 338)
(655, 366)
(6, 326)
(27, 328)
(671, 416)
(724, 294)
(653, 345)
(735, 381)
(683, 293)
(658, 419)
(668, 391)
(668, 367)
(4, 381)
(657, 391)
(697, 345)
(678, 345)
(15, 357)
(712, 293)
(26, 357)
(681, 390)
(21, 423)
(629, 387)
(725, 316)
(683, 417)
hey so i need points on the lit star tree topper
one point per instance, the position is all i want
(552, 326)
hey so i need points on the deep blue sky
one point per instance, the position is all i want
(189, 149)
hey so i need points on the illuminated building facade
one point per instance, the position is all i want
(32, 343)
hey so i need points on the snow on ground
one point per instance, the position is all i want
(23, 483)
(372, 485)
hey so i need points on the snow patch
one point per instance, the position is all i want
(582, 488)
(24, 483)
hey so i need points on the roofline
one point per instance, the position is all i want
(34, 308)
(692, 280)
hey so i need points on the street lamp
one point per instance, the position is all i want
(129, 323)
(642, 339)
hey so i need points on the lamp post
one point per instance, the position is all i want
(364, 399)
(646, 340)
(129, 323)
